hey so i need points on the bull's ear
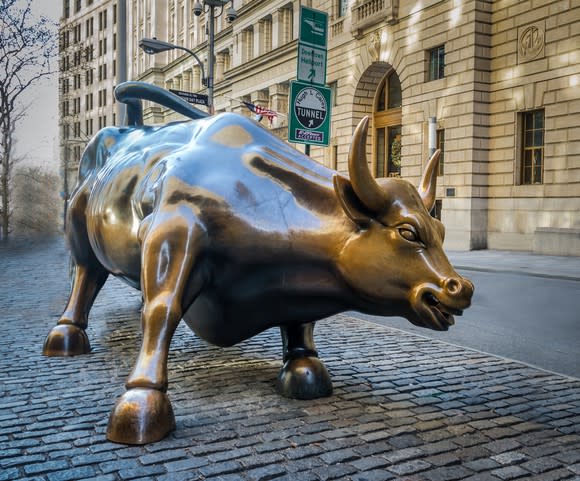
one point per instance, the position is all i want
(349, 201)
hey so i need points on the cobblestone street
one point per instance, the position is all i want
(404, 407)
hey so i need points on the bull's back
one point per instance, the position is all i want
(249, 188)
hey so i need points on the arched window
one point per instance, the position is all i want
(387, 126)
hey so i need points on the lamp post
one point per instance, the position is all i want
(231, 15)
(152, 46)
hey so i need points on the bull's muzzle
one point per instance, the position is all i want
(436, 306)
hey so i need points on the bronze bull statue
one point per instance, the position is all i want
(222, 224)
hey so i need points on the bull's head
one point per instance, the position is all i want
(395, 260)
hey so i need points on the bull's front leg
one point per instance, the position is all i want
(303, 375)
(143, 414)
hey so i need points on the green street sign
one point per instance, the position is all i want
(309, 113)
(313, 27)
(311, 64)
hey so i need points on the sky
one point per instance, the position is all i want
(37, 134)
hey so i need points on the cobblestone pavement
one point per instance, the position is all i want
(404, 407)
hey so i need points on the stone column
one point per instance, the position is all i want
(260, 97)
(276, 29)
(186, 80)
(195, 78)
(279, 103)
(219, 67)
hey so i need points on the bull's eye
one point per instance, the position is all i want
(409, 232)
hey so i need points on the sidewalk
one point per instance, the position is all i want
(404, 407)
(561, 267)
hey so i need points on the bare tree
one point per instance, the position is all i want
(27, 48)
(36, 202)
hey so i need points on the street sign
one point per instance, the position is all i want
(313, 27)
(311, 64)
(191, 97)
(309, 114)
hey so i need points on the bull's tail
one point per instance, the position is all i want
(131, 94)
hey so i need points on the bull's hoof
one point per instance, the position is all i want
(304, 378)
(141, 416)
(66, 340)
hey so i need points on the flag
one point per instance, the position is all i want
(261, 111)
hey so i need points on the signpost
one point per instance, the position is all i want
(191, 97)
(309, 118)
(313, 27)
(310, 114)
(311, 64)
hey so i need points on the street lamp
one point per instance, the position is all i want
(231, 15)
(152, 46)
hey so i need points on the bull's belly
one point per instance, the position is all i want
(224, 320)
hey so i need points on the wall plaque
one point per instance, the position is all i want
(531, 42)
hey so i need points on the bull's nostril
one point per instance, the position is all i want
(452, 286)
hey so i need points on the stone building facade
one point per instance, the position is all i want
(499, 82)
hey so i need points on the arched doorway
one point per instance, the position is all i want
(387, 126)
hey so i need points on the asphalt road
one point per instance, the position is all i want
(522, 317)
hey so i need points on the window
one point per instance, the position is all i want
(342, 7)
(103, 20)
(89, 76)
(532, 151)
(103, 72)
(440, 144)
(89, 101)
(436, 63)
(77, 5)
(89, 24)
(387, 126)
(66, 8)
(390, 95)
(437, 208)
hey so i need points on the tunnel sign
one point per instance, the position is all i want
(309, 114)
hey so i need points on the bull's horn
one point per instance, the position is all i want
(428, 184)
(364, 185)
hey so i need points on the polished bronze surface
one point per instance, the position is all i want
(223, 225)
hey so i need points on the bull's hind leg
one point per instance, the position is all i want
(303, 375)
(170, 246)
(68, 337)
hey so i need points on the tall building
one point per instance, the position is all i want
(494, 84)
(88, 70)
